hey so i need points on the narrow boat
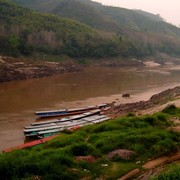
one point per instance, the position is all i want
(54, 126)
(65, 119)
(34, 132)
(96, 119)
(30, 144)
(43, 125)
(47, 133)
(67, 112)
(39, 130)
(44, 131)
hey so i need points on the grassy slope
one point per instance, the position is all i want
(147, 136)
(171, 172)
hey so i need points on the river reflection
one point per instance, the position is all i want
(20, 99)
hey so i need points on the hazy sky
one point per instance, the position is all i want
(168, 9)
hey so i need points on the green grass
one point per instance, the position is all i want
(148, 136)
(171, 172)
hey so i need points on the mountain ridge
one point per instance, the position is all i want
(103, 17)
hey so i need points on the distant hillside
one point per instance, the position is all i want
(153, 17)
(82, 11)
(103, 17)
(24, 31)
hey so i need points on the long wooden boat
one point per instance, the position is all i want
(44, 131)
(34, 132)
(30, 144)
(65, 119)
(50, 134)
(43, 125)
(67, 112)
(47, 133)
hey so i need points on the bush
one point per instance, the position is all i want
(81, 149)
(171, 109)
(150, 120)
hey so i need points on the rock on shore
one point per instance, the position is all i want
(155, 100)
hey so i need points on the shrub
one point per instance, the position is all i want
(149, 119)
(171, 109)
(81, 149)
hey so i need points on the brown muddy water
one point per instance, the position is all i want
(19, 100)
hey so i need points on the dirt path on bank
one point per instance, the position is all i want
(155, 104)
(151, 168)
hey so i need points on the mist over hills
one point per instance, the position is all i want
(102, 17)
(83, 28)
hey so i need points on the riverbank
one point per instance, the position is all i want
(156, 103)
(41, 65)
(94, 85)
(117, 166)
(13, 69)
(103, 151)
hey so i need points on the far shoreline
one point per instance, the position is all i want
(22, 68)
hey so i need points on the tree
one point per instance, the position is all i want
(13, 43)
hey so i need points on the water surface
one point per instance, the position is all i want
(20, 99)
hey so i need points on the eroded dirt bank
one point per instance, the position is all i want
(138, 107)
(18, 68)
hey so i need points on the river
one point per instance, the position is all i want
(92, 86)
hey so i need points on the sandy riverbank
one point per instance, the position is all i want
(118, 99)
(156, 103)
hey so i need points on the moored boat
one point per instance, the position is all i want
(34, 132)
(54, 128)
(66, 119)
(30, 144)
(67, 112)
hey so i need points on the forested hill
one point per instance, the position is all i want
(25, 31)
(103, 17)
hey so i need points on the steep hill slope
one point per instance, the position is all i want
(103, 17)
(154, 17)
(83, 11)
(24, 31)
